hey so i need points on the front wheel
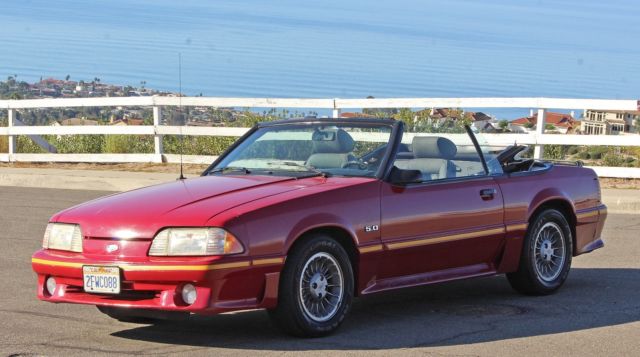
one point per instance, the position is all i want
(316, 289)
(546, 255)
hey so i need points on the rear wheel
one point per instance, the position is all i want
(316, 289)
(546, 255)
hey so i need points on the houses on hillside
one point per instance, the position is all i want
(554, 123)
(75, 121)
(478, 120)
(612, 122)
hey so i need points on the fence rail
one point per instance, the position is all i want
(537, 138)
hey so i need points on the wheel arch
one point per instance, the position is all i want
(345, 238)
(565, 207)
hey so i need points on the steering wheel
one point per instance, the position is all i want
(355, 164)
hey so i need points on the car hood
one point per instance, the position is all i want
(141, 213)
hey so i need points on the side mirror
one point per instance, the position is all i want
(404, 177)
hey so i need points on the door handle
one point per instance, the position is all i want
(487, 193)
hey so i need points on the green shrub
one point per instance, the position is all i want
(584, 155)
(124, 144)
(554, 152)
(597, 152)
(78, 144)
(25, 145)
(612, 160)
(197, 145)
(572, 150)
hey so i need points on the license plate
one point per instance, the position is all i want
(101, 279)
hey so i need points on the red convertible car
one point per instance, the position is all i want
(300, 216)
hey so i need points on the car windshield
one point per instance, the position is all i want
(309, 149)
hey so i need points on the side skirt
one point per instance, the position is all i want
(439, 276)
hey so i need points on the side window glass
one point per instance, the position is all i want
(439, 156)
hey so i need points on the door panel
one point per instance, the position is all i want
(440, 225)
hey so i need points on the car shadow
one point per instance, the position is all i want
(457, 313)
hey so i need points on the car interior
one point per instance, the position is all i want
(332, 148)
(439, 158)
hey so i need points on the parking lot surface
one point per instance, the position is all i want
(597, 312)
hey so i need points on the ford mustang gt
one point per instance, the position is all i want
(300, 216)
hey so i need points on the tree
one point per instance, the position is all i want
(65, 78)
(503, 124)
(549, 127)
(636, 124)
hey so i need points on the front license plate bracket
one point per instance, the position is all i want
(101, 279)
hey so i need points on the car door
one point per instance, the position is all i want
(453, 219)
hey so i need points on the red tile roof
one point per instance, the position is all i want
(354, 115)
(556, 119)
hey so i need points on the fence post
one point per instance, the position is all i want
(12, 138)
(539, 149)
(157, 139)
(335, 113)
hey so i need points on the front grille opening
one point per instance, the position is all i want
(129, 295)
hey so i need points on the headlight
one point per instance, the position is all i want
(194, 241)
(63, 236)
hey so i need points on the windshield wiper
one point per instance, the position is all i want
(315, 172)
(229, 169)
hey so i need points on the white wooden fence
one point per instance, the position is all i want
(537, 138)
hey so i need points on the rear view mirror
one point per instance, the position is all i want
(404, 177)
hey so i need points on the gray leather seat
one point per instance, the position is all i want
(432, 155)
(331, 149)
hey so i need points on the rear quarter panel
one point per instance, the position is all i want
(523, 194)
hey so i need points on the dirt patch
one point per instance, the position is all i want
(630, 183)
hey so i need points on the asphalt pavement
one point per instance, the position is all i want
(597, 312)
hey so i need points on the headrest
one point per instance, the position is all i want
(332, 141)
(433, 147)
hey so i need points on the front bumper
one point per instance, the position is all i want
(221, 284)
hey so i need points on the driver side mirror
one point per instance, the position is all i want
(404, 177)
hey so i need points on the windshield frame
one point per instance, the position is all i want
(396, 127)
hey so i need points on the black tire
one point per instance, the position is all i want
(537, 273)
(141, 316)
(292, 314)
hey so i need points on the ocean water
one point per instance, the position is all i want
(332, 48)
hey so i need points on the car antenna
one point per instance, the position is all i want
(180, 115)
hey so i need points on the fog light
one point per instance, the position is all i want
(51, 285)
(189, 294)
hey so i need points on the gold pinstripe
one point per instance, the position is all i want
(148, 267)
(516, 227)
(371, 248)
(448, 238)
(268, 261)
(588, 214)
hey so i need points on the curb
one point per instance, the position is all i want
(81, 179)
(621, 200)
(626, 201)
